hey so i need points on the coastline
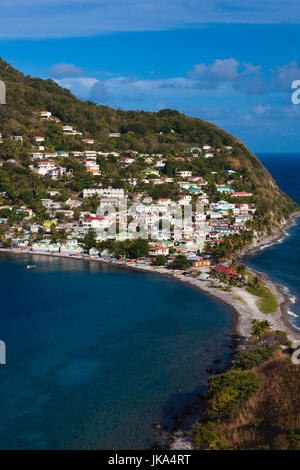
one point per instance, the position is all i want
(243, 304)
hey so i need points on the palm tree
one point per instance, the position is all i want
(241, 269)
(256, 283)
(259, 328)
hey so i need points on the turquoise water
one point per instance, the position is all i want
(282, 261)
(96, 354)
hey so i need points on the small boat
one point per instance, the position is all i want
(31, 266)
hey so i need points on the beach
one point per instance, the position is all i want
(242, 302)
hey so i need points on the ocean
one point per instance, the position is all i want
(97, 355)
(282, 261)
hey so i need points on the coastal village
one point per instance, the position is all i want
(160, 193)
(185, 225)
(97, 211)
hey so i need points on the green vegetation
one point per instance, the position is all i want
(160, 260)
(260, 328)
(129, 248)
(181, 262)
(227, 392)
(267, 303)
(167, 132)
(250, 359)
(206, 438)
(256, 404)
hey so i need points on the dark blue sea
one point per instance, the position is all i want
(96, 355)
(282, 261)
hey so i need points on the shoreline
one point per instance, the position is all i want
(243, 304)
(239, 300)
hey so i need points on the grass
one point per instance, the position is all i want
(271, 417)
(268, 419)
(267, 302)
(239, 298)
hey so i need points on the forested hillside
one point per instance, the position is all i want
(167, 132)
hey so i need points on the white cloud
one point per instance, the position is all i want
(283, 76)
(64, 70)
(80, 86)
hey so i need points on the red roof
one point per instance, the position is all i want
(94, 218)
(222, 269)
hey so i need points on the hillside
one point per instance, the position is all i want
(267, 414)
(177, 142)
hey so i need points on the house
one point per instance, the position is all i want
(104, 192)
(73, 203)
(36, 155)
(184, 199)
(18, 138)
(90, 165)
(95, 222)
(241, 194)
(41, 247)
(25, 210)
(125, 161)
(158, 250)
(39, 138)
(61, 154)
(69, 250)
(114, 134)
(45, 114)
(88, 141)
(183, 174)
(164, 201)
(223, 270)
(93, 252)
(44, 166)
(77, 154)
(201, 263)
(94, 171)
(224, 189)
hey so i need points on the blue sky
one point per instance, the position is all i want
(229, 62)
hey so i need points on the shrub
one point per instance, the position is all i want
(227, 392)
(205, 438)
(250, 359)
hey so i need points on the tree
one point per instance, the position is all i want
(90, 239)
(259, 328)
(256, 283)
(138, 248)
(241, 269)
(180, 262)
(160, 260)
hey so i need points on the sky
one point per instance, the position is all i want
(231, 62)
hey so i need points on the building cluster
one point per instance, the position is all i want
(183, 224)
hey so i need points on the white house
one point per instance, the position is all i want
(39, 138)
(45, 114)
(183, 174)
